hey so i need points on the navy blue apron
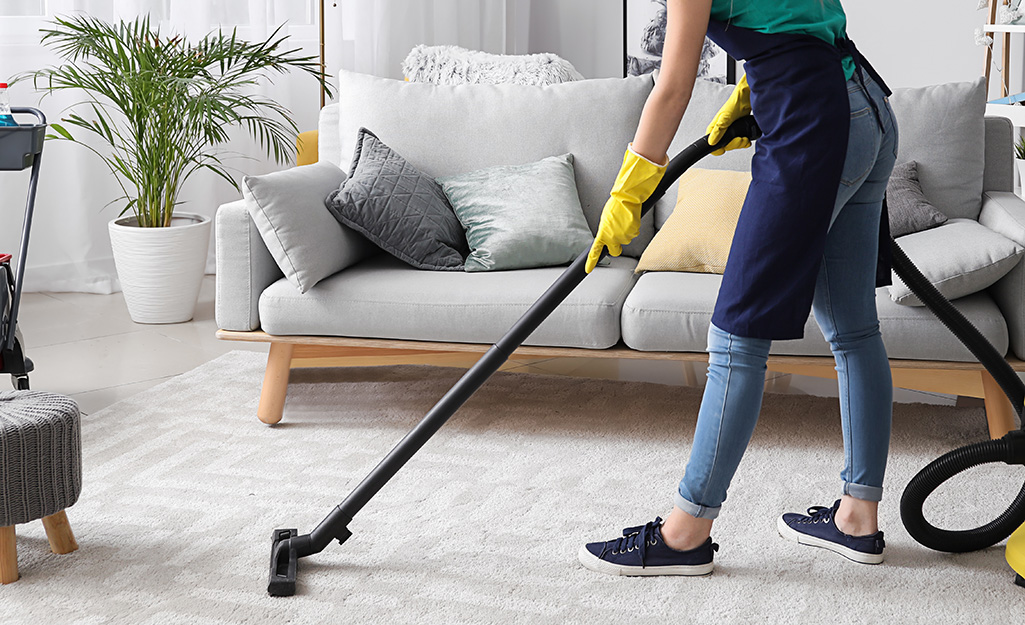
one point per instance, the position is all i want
(799, 99)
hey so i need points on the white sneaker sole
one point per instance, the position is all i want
(593, 562)
(857, 556)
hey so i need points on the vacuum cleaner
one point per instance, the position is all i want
(1009, 449)
(287, 546)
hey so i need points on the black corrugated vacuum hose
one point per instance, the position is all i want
(1010, 449)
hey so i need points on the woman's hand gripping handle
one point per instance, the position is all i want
(641, 183)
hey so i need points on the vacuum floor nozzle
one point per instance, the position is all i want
(283, 564)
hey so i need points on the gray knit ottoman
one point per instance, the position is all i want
(40, 470)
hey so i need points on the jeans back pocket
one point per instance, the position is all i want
(863, 141)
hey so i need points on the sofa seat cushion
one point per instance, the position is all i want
(671, 312)
(382, 297)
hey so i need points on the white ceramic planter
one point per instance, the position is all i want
(161, 269)
(1020, 162)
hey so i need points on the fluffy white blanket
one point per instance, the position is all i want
(452, 65)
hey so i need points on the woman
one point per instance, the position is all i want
(808, 238)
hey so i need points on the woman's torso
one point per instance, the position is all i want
(824, 19)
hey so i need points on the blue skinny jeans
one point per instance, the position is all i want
(845, 309)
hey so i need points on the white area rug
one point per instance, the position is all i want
(183, 487)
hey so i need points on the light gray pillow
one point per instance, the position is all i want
(909, 210)
(520, 216)
(307, 243)
(959, 258)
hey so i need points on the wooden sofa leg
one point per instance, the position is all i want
(8, 555)
(58, 532)
(275, 383)
(1000, 413)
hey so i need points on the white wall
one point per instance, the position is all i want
(910, 43)
(374, 36)
(913, 44)
(587, 33)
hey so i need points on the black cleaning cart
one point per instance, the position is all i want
(21, 147)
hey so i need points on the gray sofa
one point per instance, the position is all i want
(966, 170)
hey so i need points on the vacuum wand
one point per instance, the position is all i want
(288, 546)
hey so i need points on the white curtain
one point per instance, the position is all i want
(69, 249)
(374, 36)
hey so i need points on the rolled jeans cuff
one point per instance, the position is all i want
(693, 509)
(860, 491)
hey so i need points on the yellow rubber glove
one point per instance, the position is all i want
(621, 217)
(736, 107)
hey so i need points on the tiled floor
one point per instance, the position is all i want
(87, 346)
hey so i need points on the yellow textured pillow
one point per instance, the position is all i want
(697, 236)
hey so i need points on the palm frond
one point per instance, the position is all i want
(161, 105)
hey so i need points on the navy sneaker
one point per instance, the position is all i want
(642, 551)
(818, 529)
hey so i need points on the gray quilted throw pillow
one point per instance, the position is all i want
(400, 209)
(909, 210)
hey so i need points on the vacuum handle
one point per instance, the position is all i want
(744, 127)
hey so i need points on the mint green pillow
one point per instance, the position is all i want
(520, 216)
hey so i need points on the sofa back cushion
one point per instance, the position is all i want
(460, 128)
(451, 129)
(943, 128)
(1000, 137)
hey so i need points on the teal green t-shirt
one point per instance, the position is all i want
(824, 19)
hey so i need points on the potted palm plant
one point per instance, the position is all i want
(156, 110)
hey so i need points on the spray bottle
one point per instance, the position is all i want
(6, 119)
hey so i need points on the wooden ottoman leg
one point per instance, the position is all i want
(8, 555)
(58, 532)
(275, 383)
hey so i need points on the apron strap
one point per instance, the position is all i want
(847, 46)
